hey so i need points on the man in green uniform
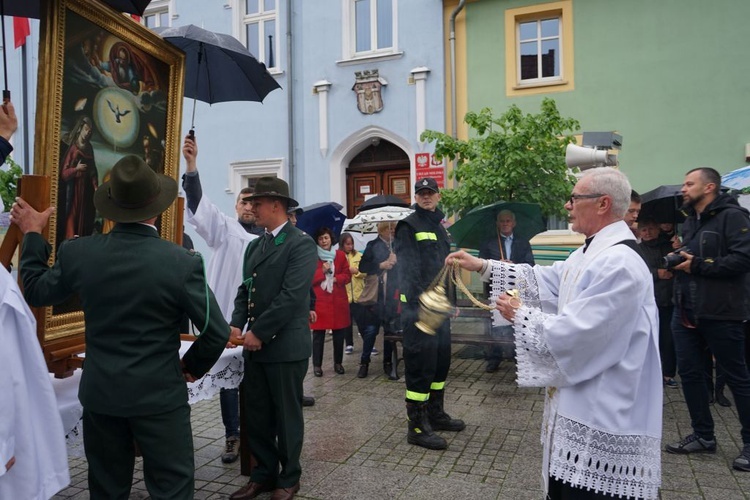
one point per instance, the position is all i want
(272, 308)
(421, 245)
(134, 288)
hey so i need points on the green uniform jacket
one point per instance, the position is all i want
(134, 289)
(273, 300)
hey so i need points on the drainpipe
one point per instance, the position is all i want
(454, 119)
(290, 97)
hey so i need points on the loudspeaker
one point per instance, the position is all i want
(583, 158)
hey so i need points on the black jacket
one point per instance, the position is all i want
(653, 253)
(520, 250)
(421, 245)
(720, 242)
(375, 253)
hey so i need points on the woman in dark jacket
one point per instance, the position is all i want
(379, 259)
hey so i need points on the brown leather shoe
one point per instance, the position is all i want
(285, 493)
(251, 490)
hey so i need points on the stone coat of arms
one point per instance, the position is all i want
(367, 87)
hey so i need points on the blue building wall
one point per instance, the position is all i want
(234, 132)
(420, 38)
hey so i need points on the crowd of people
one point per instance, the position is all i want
(638, 307)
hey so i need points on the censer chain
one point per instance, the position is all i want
(455, 276)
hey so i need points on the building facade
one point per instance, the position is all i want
(665, 75)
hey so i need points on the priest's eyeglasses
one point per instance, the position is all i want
(574, 197)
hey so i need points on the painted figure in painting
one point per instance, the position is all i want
(78, 181)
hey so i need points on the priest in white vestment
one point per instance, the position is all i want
(587, 329)
(33, 457)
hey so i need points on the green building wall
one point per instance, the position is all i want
(671, 76)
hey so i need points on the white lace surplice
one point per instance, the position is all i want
(588, 331)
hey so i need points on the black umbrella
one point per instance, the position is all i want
(218, 68)
(33, 9)
(383, 200)
(326, 214)
(662, 204)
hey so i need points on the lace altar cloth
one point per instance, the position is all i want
(225, 374)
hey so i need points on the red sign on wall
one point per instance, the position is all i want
(426, 167)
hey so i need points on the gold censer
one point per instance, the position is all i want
(434, 309)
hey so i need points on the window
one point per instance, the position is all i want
(157, 14)
(370, 28)
(373, 25)
(246, 173)
(259, 31)
(539, 48)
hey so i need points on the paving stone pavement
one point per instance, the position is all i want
(355, 442)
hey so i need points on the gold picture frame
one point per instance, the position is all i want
(108, 87)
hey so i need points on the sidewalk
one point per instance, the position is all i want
(355, 443)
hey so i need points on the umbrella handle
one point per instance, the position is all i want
(191, 134)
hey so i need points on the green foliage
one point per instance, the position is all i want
(9, 182)
(516, 157)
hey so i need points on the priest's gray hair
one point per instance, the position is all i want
(612, 182)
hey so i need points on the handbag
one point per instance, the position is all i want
(369, 295)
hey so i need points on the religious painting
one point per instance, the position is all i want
(109, 87)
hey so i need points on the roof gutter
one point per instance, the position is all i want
(290, 98)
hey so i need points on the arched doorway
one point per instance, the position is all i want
(381, 168)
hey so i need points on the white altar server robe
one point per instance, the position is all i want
(588, 330)
(228, 240)
(30, 424)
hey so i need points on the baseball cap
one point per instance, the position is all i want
(426, 183)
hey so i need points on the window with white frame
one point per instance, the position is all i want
(259, 30)
(539, 50)
(157, 15)
(246, 173)
(370, 27)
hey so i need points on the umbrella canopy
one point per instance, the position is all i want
(473, 229)
(218, 68)
(327, 214)
(383, 200)
(662, 204)
(737, 179)
(33, 9)
(366, 222)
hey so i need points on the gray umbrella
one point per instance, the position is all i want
(218, 68)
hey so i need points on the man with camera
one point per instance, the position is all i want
(710, 306)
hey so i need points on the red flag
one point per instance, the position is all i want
(136, 17)
(21, 30)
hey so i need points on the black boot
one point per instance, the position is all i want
(420, 433)
(439, 420)
(362, 373)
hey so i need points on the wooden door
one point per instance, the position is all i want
(381, 168)
(361, 185)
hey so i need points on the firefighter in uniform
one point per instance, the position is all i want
(422, 244)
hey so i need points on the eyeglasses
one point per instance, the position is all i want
(574, 197)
